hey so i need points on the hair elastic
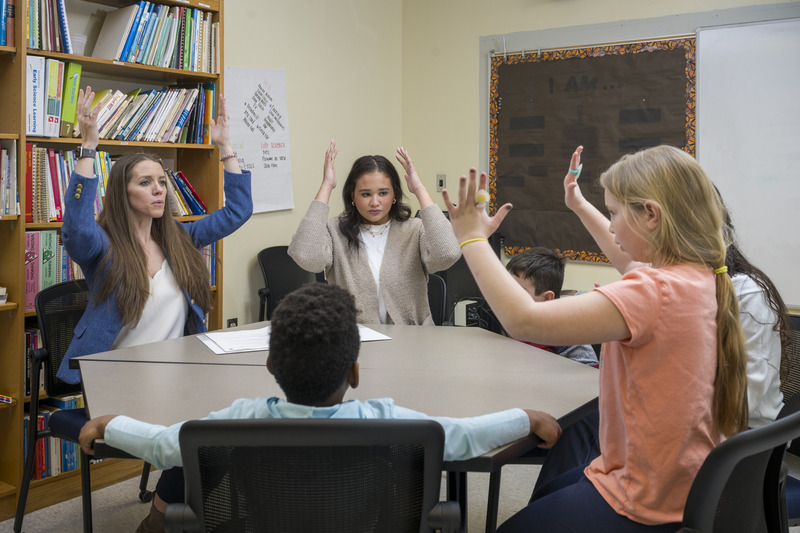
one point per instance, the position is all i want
(577, 171)
(472, 240)
(720, 270)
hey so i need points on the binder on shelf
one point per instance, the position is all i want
(131, 35)
(72, 81)
(63, 24)
(115, 32)
(3, 21)
(54, 88)
(35, 83)
(11, 15)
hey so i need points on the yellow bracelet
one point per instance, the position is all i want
(472, 240)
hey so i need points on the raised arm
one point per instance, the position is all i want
(220, 134)
(592, 219)
(586, 319)
(413, 180)
(328, 174)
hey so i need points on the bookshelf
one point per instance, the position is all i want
(199, 162)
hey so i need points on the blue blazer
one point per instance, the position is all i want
(87, 244)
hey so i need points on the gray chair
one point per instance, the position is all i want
(739, 487)
(316, 475)
(791, 398)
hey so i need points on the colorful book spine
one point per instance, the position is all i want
(31, 268)
(11, 15)
(35, 108)
(63, 25)
(72, 81)
(132, 32)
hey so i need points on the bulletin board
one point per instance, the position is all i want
(612, 99)
(259, 128)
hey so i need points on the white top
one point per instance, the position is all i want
(763, 346)
(464, 438)
(374, 239)
(164, 314)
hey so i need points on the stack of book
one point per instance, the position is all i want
(7, 16)
(48, 28)
(183, 38)
(53, 455)
(9, 196)
(46, 263)
(175, 115)
(52, 95)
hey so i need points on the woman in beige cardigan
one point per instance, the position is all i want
(374, 248)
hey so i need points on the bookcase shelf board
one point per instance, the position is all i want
(134, 70)
(108, 142)
(8, 306)
(5, 218)
(206, 5)
(9, 136)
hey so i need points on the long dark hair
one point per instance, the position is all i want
(125, 264)
(737, 263)
(349, 219)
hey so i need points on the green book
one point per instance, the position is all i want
(72, 80)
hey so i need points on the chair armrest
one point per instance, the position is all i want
(445, 516)
(179, 518)
(263, 293)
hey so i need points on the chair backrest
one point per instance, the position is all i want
(738, 487)
(317, 475)
(58, 309)
(791, 385)
(281, 275)
(437, 298)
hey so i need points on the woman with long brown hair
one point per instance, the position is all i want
(147, 278)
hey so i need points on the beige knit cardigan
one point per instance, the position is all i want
(413, 249)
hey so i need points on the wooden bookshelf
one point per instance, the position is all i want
(199, 162)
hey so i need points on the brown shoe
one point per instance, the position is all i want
(153, 522)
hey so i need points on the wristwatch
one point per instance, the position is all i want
(82, 152)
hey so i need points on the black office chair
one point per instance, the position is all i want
(791, 399)
(738, 487)
(281, 276)
(316, 475)
(437, 298)
(58, 309)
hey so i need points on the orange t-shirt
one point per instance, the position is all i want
(657, 392)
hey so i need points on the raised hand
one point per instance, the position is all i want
(219, 129)
(412, 178)
(573, 197)
(87, 118)
(469, 217)
(329, 169)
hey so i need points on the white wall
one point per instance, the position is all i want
(377, 73)
(343, 82)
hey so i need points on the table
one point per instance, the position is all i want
(441, 371)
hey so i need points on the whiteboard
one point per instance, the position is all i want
(748, 139)
(259, 128)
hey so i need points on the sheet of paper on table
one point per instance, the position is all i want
(253, 340)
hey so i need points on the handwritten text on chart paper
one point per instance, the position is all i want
(261, 115)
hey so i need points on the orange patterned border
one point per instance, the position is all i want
(688, 44)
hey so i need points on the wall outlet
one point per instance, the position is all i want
(233, 322)
(441, 182)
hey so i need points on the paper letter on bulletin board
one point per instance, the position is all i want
(613, 100)
(260, 133)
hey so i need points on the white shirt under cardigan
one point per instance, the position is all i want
(465, 438)
(763, 346)
(375, 245)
